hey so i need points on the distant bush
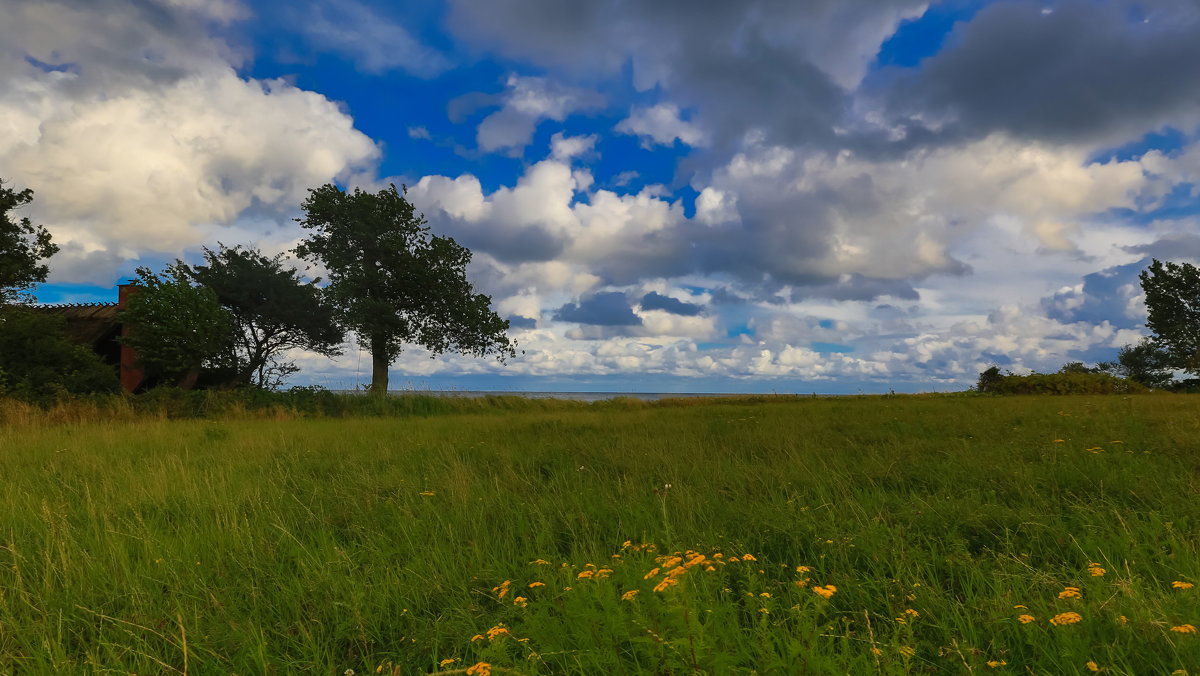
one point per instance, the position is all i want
(1063, 382)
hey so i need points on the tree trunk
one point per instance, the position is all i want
(379, 367)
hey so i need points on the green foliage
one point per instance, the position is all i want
(22, 246)
(1069, 380)
(1173, 312)
(988, 379)
(381, 545)
(176, 326)
(394, 282)
(272, 311)
(1146, 363)
(38, 361)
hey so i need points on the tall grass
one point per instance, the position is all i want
(402, 543)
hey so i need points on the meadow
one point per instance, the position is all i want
(862, 535)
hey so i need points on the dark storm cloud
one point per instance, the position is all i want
(1171, 247)
(768, 64)
(519, 322)
(602, 309)
(657, 301)
(1078, 71)
(113, 42)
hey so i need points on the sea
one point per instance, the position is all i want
(569, 396)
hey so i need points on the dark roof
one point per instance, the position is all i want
(86, 322)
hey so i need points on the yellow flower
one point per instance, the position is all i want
(520, 602)
(1065, 618)
(876, 651)
(427, 493)
(583, 575)
(1058, 441)
(1026, 619)
(448, 660)
(747, 557)
(826, 591)
(1019, 606)
(803, 569)
(996, 663)
(652, 573)
(498, 630)
(629, 594)
(477, 637)
(666, 582)
(1096, 571)
(803, 583)
(765, 595)
(1070, 593)
(539, 562)
(908, 651)
(764, 611)
(480, 669)
(536, 584)
(1182, 585)
(1122, 619)
(1092, 666)
(1179, 672)
(1184, 629)
(912, 612)
(603, 573)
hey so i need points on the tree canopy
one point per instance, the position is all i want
(22, 246)
(393, 281)
(272, 310)
(176, 326)
(1173, 312)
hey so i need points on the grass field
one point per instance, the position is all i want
(1049, 535)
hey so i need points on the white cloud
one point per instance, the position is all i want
(528, 101)
(661, 124)
(154, 144)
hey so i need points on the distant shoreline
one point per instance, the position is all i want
(585, 396)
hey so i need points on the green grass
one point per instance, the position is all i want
(136, 544)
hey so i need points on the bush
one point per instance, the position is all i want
(39, 363)
(1069, 382)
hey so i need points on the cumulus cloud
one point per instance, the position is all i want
(526, 102)
(1081, 72)
(150, 141)
(661, 124)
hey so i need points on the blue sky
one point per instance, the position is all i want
(830, 196)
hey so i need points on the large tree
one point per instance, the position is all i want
(272, 309)
(22, 246)
(1173, 312)
(395, 282)
(176, 326)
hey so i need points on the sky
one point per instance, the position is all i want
(826, 196)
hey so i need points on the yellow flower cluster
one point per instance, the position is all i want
(520, 602)
(1066, 618)
(1026, 619)
(629, 595)
(1184, 629)
(502, 589)
(1096, 570)
(1177, 584)
(1070, 593)
(480, 669)
(992, 664)
(826, 591)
